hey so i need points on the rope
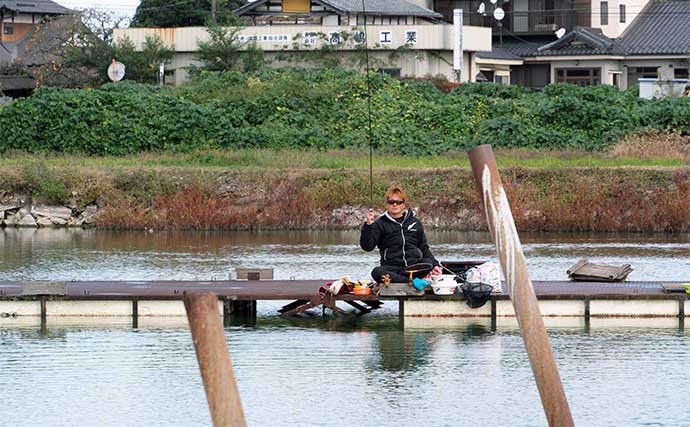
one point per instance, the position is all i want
(371, 147)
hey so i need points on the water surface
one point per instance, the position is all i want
(331, 372)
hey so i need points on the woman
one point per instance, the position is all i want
(400, 238)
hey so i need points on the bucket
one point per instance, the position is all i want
(443, 284)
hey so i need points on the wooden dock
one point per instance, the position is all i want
(239, 297)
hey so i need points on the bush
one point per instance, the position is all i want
(328, 109)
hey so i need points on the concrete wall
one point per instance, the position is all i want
(550, 308)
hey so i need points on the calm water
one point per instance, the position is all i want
(331, 372)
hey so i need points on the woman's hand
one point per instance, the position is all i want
(436, 271)
(371, 216)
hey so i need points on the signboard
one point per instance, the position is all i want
(265, 38)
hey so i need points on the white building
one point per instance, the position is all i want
(403, 38)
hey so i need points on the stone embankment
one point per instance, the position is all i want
(22, 214)
(574, 199)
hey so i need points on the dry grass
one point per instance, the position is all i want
(652, 145)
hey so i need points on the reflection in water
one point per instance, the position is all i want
(65, 254)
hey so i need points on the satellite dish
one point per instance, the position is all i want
(560, 32)
(493, 1)
(481, 8)
(116, 71)
(499, 14)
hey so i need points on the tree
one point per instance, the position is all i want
(224, 51)
(167, 13)
(76, 50)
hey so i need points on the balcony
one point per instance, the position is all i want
(550, 17)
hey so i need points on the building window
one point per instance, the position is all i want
(680, 73)
(621, 9)
(646, 72)
(392, 72)
(604, 12)
(579, 76)
(8, 30)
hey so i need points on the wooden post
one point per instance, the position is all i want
(214, 359)
(502, 227)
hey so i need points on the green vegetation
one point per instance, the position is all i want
(327, 110)
(284, 159)
(163, 13)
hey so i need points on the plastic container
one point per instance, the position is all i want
(361, 291)
(443, 284)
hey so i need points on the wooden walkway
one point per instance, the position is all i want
(240, 296)
(254, 290)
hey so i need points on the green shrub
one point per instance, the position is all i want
(328, 109)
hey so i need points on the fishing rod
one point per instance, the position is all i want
(371, 147)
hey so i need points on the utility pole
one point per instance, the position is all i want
(457, 43)
(214, 6)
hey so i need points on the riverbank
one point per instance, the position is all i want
(637, 197)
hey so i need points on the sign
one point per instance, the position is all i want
(265, 38)
(310, 39)
(386, 37)
(116, 71)
(333, 38)
(359, 36)
(411, 37)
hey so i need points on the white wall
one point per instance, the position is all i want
(607, 68)
(615, 28)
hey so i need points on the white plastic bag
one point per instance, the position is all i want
(490, 275)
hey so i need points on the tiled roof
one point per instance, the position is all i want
(499, 53)
(382, 7)
(35, 6)
(8, 51)
(372, 7)
(662, 27)
(580, 41)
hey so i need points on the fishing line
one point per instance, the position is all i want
(371, 147)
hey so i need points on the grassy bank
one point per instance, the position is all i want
(648, 151)
(308, 191)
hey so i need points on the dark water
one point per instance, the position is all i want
(331, 372)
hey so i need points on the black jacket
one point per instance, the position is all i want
(400, 244)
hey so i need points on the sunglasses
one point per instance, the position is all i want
(395, 202)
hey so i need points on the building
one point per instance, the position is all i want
(602, 43)
(403, 38)
(17, 21)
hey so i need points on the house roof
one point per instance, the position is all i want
(660, 28)
(372, 7)
(34, 6)
(499, 54)
(580, 41)
(8, 52)
(16, 83)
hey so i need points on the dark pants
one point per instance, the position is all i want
(397, 274)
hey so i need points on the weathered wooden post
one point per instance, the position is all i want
(520, 290)
(214, 359)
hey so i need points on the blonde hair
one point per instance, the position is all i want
(396, 190)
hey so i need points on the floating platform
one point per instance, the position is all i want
(239, 297)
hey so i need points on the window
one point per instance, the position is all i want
(680, 73)
(8, 30)
(392, 72)
(621, 18)
(579, 76)
(604, 12)
(646, 72)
